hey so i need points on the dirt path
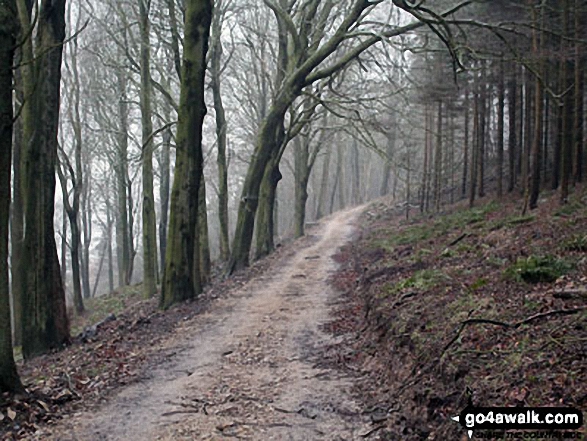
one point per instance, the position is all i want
(246, 369)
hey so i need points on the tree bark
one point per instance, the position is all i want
(204, 237)
(265, 213)
(9, 380)
(302, 177)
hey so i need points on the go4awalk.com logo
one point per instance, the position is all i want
(544, 422)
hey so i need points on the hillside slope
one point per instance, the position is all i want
(482, 300)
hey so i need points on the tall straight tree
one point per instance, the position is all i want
(45, 323)
(221, 126)
(149, 220)
(9, 380)
(181, 278)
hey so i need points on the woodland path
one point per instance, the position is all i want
(249, 368)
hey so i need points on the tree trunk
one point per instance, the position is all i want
(466, 147)
(567, 75)
(164, 172)
(302, 176)
(221, 161)
(512, 134)
(149, 217)
(500, 128)
(528, 116)
(341, 179)
(475, 149)
(438, 160)
(204, 237)
(110, 253)
(17, 213)
(424, 189)
(483, 124)
(355, 175)
(9, 380)
(181, 280)
(45, 323)
(75, 263)
(123, 232)
(266, 149)
(536, 152)
(265, 220)
(323, 192)
(389, 151)
(579, 92)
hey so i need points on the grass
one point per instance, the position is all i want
(576, 243)
(538, 269)
(421, 281)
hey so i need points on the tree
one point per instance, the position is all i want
(309, 55)
(9, 380)
(45, 323)
(221, 126)
(149, 218)
(181, 279)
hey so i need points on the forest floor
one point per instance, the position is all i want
(486, 306)
(367, 328)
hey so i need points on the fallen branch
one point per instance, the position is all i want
(569, 294)
(458, 239)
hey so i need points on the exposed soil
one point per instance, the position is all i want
(249, 367)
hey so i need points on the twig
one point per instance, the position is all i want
(458, 239)
(372, 431)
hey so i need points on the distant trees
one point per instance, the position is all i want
(310, 49)
(517, 106)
